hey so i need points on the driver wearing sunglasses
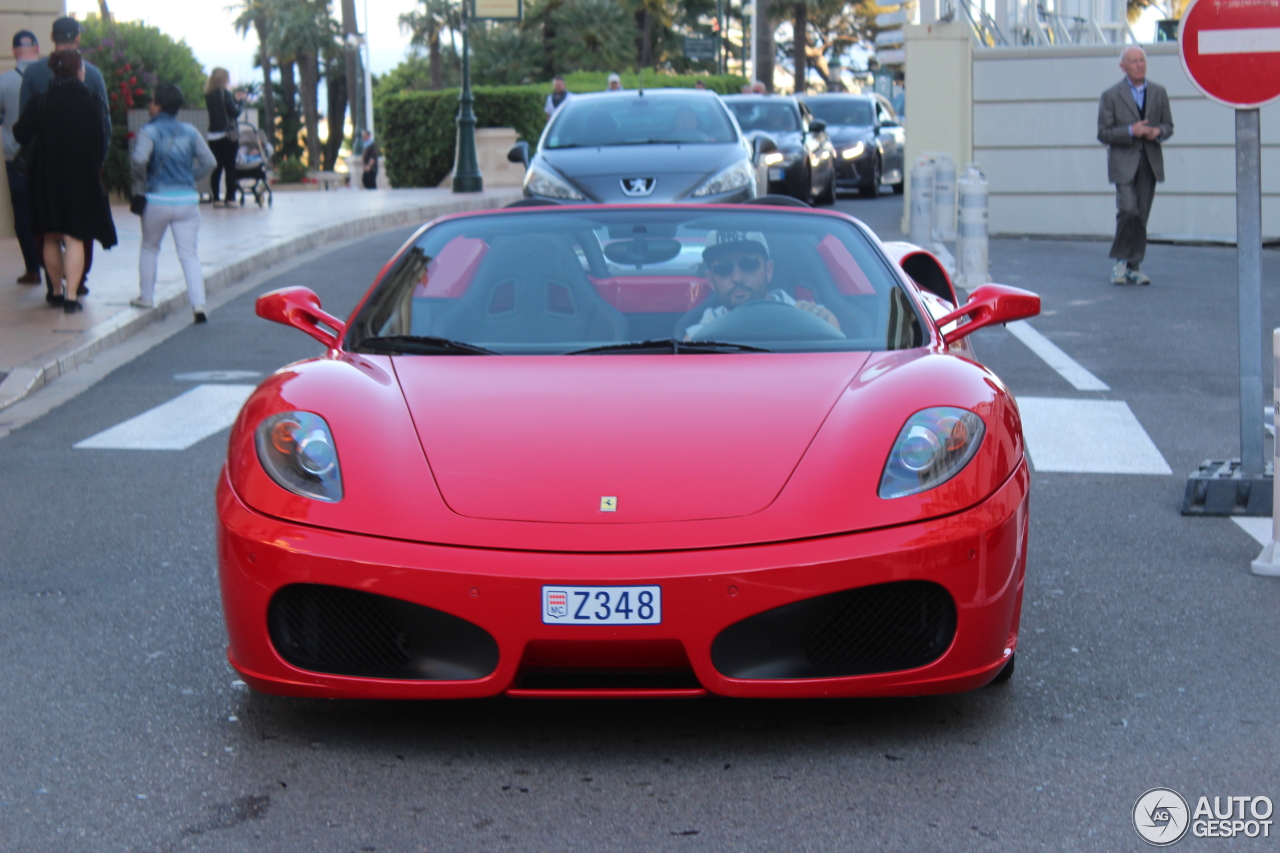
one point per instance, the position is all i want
(740, 271)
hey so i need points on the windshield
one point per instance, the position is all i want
(676, 281)
(837, 111)
(778, 116)
(639, 119)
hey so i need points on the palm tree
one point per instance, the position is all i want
(303, 31)
(593, 35)
(425, 26)
(253, 16)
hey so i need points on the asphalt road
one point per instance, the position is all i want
(1148, 654)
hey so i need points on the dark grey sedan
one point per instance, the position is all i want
(868, 138)
(804, 165)
(656, 145)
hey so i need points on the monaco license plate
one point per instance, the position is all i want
(776, 173)
(601, 605)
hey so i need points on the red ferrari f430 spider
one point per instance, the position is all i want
(632, 451)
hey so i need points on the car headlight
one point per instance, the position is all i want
(855, 151)
(296, 450)
(774, 158)
(735, 177)
(543, 183)
(933, 446)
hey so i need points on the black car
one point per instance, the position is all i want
(654, 145)
(868, 137)
(804, 164)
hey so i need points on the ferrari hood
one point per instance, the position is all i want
(618, 438)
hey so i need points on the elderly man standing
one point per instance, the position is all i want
(26, 50)
(1134, 120)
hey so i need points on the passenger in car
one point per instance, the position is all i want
(740, 271)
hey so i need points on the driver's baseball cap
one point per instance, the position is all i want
(722, 242)
(65, 30)
(25, 38)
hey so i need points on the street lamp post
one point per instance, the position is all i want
(466, 168)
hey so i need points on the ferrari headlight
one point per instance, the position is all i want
(296, 450)
(933, 446)
(855, 151)
(543, 183)
(735, 177)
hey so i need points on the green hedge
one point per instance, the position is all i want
(417, 130)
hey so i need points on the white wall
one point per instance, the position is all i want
(1035, 134)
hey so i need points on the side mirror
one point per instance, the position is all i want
(762, 144)
(300, 307)
(988, 305)
(519, 153)
(889, 124)
(817, 126)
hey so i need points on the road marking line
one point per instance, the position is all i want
(1067, 367)
(1253, 40)
(1087, 437)
(1258, 528)
(177, 424)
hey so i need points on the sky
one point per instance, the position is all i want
(206, 25)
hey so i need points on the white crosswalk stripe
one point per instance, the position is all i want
(177, 424)
(1087, 437)
(1066, 366)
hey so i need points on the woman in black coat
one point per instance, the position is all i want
(224, 132)
(69, 207)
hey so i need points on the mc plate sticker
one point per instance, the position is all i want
(601, 605)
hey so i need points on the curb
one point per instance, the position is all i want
(32, 376)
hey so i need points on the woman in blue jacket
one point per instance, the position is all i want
(169, 156)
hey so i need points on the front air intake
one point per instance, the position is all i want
(883, 628)
(343, 631)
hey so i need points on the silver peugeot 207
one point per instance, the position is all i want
(652, 145)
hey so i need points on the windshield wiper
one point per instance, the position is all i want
(421, 345)
(669, 345)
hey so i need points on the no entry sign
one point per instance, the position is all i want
(1231, 50)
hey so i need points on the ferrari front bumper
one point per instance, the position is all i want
(483, 608)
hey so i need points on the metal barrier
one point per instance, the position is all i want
(1267, 565)
(971, 245)
(922, 201)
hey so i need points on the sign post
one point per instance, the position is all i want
(1231, 51)
(466, 165)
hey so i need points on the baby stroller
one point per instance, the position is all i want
(252, 157)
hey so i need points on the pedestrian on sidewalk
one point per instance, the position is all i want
(558, 98)
(223, 133)
(369, 159)
(1134, 120)
(169, 156)
(26, 50)
(69, 206)
(65, 34)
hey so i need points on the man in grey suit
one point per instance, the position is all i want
(1133, 120)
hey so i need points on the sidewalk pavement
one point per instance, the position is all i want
(39, 343)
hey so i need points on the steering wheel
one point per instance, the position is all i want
(768, 320)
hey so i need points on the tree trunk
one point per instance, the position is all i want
(352, 75)
(764, 63)
(799, 56)
(309, 77)
(104, 11)
(266, 121)
(337, 88)
(436, 63)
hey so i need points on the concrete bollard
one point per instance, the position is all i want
(971, 246)
(922, 201)
(944, 198)
(1267, 565)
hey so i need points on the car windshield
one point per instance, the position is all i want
(639, 119)
(662, 280)
(842, 111)
(778, 116)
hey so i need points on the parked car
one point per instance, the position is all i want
(804, 165)
(621, 451)
(869, 139)
(653, 145)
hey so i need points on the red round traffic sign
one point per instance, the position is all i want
(1231, 50)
